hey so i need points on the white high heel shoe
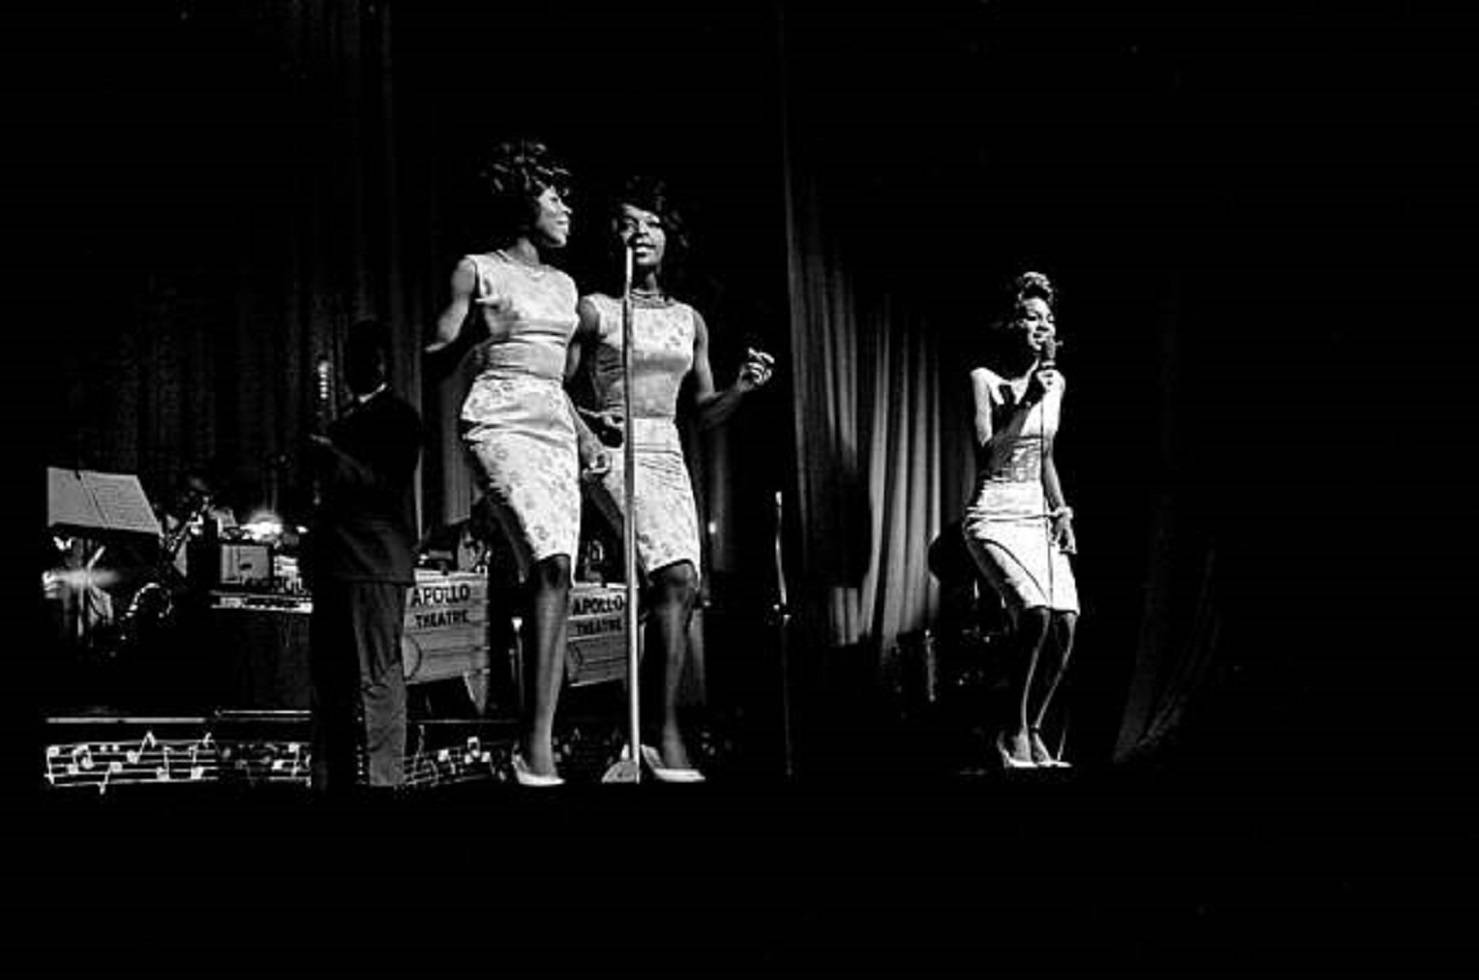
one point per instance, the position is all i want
(528, 777)
(1009, 761)
(665, 774)
(1040, 748)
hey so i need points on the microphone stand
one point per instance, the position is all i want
(1048, 361)
(628, 769)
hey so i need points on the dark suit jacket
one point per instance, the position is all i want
(366, 527)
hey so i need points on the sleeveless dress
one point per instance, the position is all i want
(1006, 525)
(662, 354)
(516, 418)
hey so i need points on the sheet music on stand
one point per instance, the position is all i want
(93, 501)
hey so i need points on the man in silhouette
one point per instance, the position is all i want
(361, 562)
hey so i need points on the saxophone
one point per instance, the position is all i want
(153, 602)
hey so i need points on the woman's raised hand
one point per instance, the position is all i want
(756, 370)
(1043, 381)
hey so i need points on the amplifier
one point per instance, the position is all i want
(260, 645)
(232, 564)
(267, 602)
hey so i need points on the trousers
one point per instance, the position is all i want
(359, 689)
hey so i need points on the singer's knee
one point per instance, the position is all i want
(675, 586)
(1032, 625)
(553, 573)
(1067, 628)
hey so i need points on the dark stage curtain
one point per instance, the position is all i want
(1177, 652)
(878, 471)
(879, 459)
(930, 158)
(245, 209)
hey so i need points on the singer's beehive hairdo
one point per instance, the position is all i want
(1011, 298)
(517, 172)
(1033, 285)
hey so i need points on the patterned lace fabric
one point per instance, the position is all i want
(662, 354)
(543, 318)
(516, 416)
(667, 518)
(1006, 525)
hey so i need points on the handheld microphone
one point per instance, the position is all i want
(1048, 358)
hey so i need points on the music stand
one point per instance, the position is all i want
(98, 504)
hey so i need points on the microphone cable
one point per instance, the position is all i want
(1048, 360)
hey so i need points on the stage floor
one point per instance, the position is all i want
(1167, 860)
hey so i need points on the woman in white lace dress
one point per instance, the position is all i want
(517, 420)
(670, 342)
(1018, 527)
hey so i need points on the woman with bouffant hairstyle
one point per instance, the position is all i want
(1019, 527)
(517, 422)
(670, 343)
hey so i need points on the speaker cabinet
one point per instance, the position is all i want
(262, 653)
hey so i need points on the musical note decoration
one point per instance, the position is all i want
(153, 761)
(104, 764)
(468, 763)
(144, 743)
(267, 761)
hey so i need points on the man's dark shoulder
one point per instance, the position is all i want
(390, 406)
(387, 415)
(407, 418)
